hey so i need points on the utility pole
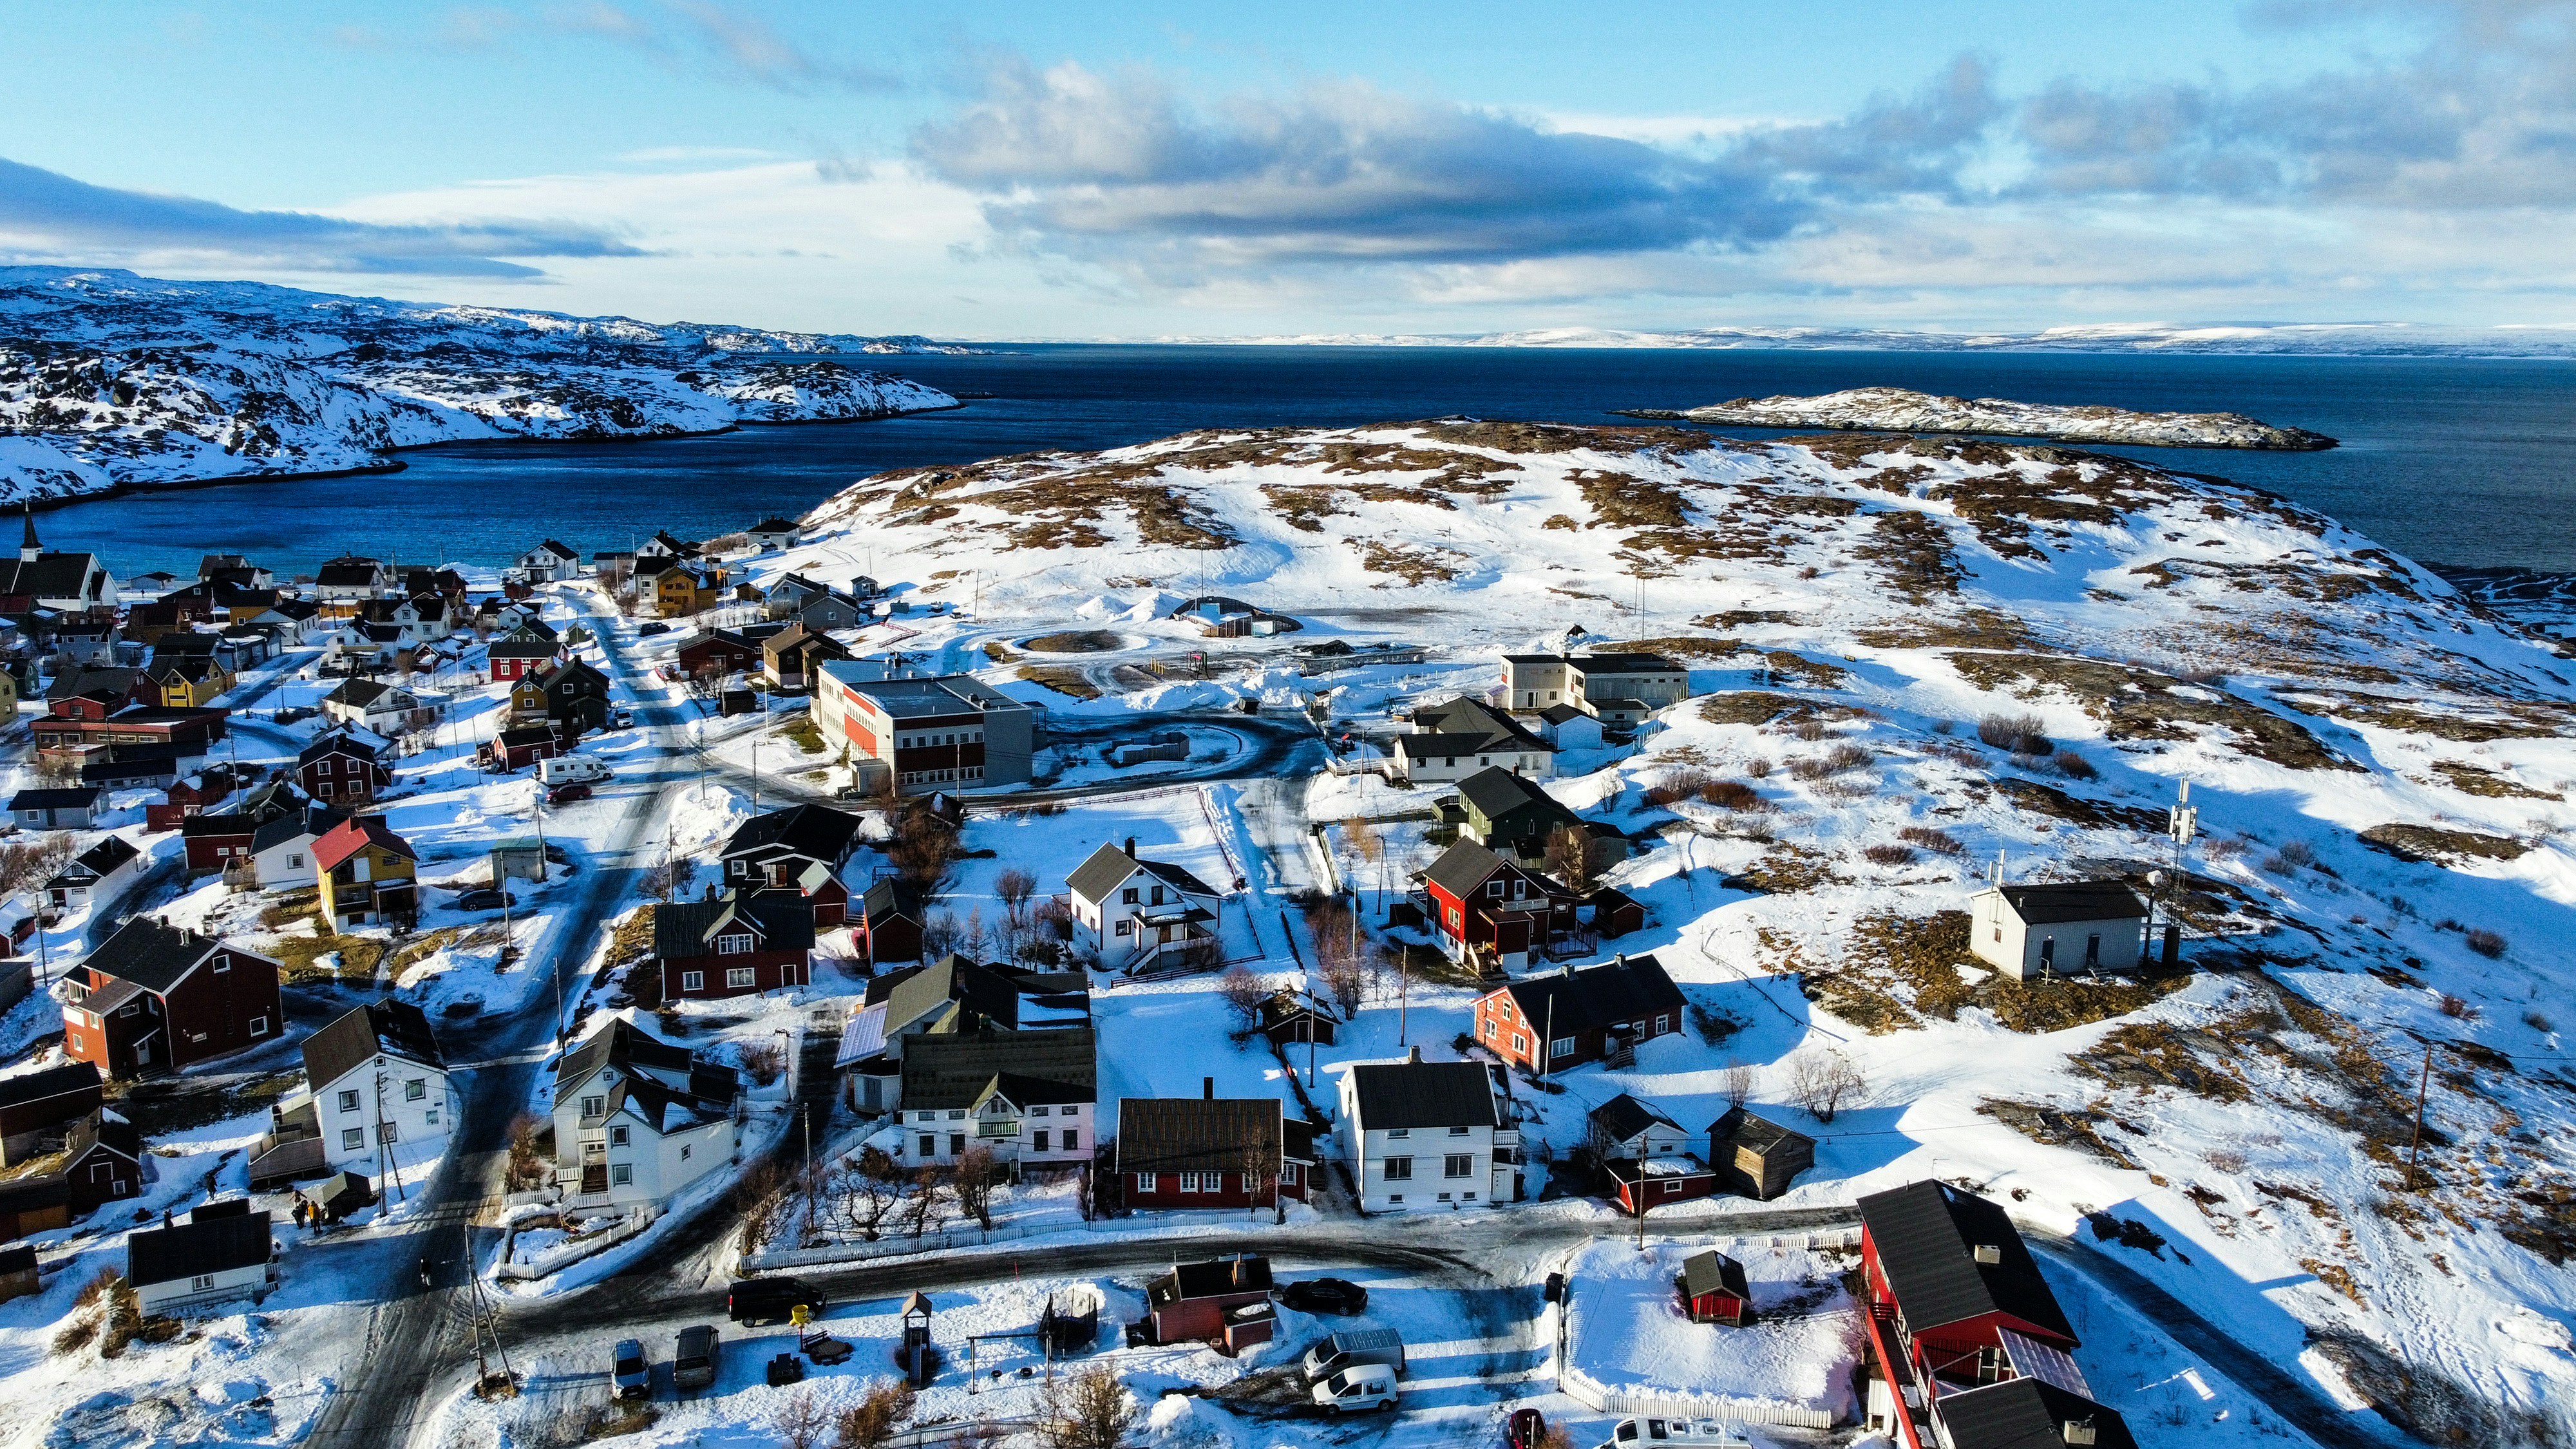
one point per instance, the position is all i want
(755, 777)
(2423, 1089)
(385, 1164)
(1547, 1043)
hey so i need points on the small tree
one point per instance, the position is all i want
(1824, 1082)
(871, 1422)
(1738, 1081)
(800, 1421)
(1015, 886)
(527, 1167)
(925, 1207)
(1243, 993)
(976, 1172)
(940, 934)
(1086, 1410)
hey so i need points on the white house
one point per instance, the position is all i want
(1137, 912)
(219, 1256)
(98, 872)
(1568, 728)
(771, 533)
(638, 1119)
(379, 1089)
(2071, 928)
(370, 705)
(1457, 737)
(1420, 1135)
(1028, 1097)
(281, 850)
(548, 562)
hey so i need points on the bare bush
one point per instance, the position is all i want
(800, 1421)
(940, 934)
(763, 1061)
(1758, 767)
(2457, 1008)
(925, 1207)
(1015, 886)
(1889, 854)
(1733, 795)
(871, 1422)
(2536, 1021)
(26, 864)
(2485, 942)
(1086, 1410)
(527, 1169)
(1738, 1082)
(1824, 1082)
(1243, 993)
(1940, 842)
(1812, 729)
(973, 1184)
(2020, 734)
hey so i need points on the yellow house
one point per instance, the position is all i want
(367, 873)
(8, 697)
(685, 589)
(190, 681)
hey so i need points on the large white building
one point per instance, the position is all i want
(1457, 737)
(1592, 682)
(379, 1091)
(948, 733)
(1422, 1135)
(637, 1119)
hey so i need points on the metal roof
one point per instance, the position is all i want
(1197, 1134)
(184, 1250)
(1630, 988)
(2027, 1414)
(2092, 900)
(389, 1027)
(1423, 1094)
(1927, 1234)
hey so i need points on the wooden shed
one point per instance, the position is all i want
(18, 1275)
(1713, 1289)
(1757, 1157)
(34, 1204)
(1615, 913)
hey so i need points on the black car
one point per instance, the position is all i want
(652, 628)
(771, 1300)
(482, 900)
(1325, 1295)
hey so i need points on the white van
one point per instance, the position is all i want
(1357, 1390)
(569, 769)
(1701, 1433)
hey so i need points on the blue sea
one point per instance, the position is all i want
(2469, 464)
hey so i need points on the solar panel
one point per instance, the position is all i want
(2036, 1360)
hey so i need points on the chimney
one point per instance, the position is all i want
(1989, 1253)
(1413, 1054)
(1131, 847)
(1207, 1089)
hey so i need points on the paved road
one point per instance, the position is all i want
(414, 1338)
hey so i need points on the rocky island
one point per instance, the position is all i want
(1901, 410)
(111, 381)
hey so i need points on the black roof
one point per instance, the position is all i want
(337, 742)
(1495, 792)
(891, 897)
(70, 798)
(1747, 1129)
(1196, 1134)
(686, 929)
(107, 855)
(313, 820)
(1464, 867)
(2028, 1414)
(1106, 867)
(1630, 988)
(818, 832)
(2090, 900)
(391, 1027)
(1029, 1067)
(1625, 664)
(1713, 1272)
(1423, 1094)
(1623, 1117)
(151, 953)
(772, 524)
(28, 1087)
(620, 1043)
(183, 1250)
(1926, 1235)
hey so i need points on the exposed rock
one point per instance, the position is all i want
(1900, 410)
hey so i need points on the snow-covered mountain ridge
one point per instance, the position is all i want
(1916, 654)
(1902, 410)
(110, 380)
(2301, 339)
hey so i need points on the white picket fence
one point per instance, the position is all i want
(572, 1251)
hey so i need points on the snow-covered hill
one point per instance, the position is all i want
(2305, 339)
(1884, 630)
(112, 380)
(1902, 410)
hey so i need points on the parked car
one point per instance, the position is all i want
(486, 899)
(1325, 1295)
(1352, 1348)
(1708, 1433)
(1357, 1390)
(694, 1366)
(651, 628)
(567, 794)
(772, 1300)
(298, 712)
(633, 1373)
(621, 718)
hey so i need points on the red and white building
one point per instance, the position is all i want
(947, 733)
(1212, 1152)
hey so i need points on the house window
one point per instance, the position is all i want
(925, 1116)
(1400, 1132)
(1127, 897)
(1664, 1022)
(431, 1117)
(349, 1101)
(1395, 1197)
(1125, 926)
(416, 1089)
(1444, 1197)
(956, 1144)
(1494, 888)
(1458, 1164)
(1561, 1047)
(617, 1136)
(1399, 1169)
(693, 981)
(1520, 1044)
(593, 1106)
(929, 1145)
(1038, 1111)
(733, 943)
(956, 1114)
(1072, 1140)
(621, 1173)
(1458, 1131)
(225, 963)
(684, 1152)
(1671, 1186)
(1040, 1142)
(739, 976)
(387, 1132)
(201, 1283)
(322, 767)
(352, 1139)
(259, 1026)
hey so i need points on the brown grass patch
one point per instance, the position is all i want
(2435, 846)
(2471, 779)
(1076, 641)
(1064, 679)
(2138, 703)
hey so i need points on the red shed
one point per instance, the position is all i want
(1225, 1301)
(1713, 1289)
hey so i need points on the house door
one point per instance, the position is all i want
(143, 1052)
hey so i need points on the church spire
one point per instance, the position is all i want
(28, 548)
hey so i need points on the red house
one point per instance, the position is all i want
(1225, 1301)
(212, 841)
(1713, 1289)
(520, 655)
(717, 652)
(344, 767)
(518, 749)
(889, 923)
(189, 795)
(1590, 1014)
(1211, 1152)
(156, 998)
(1645, 1156)
(1967, 1346)
(1488, 911)
(734, 945)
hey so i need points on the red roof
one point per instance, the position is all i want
(355, 834)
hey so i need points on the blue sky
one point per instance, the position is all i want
(1009, 170)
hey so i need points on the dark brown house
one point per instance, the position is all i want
(156, 998)
(39, 1109)
(1211, 1152)
(734, 945)
(1583, 1014)
(889, 923)
(343, 768)
(1757, 1157)
(1223, 1301)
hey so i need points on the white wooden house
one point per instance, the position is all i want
(2070, 928)
(1419, 1136)
(1139, 914)
(378, 1087)
(638, 1119)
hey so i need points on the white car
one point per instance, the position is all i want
(1357, 1390)
(1706, 1433)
